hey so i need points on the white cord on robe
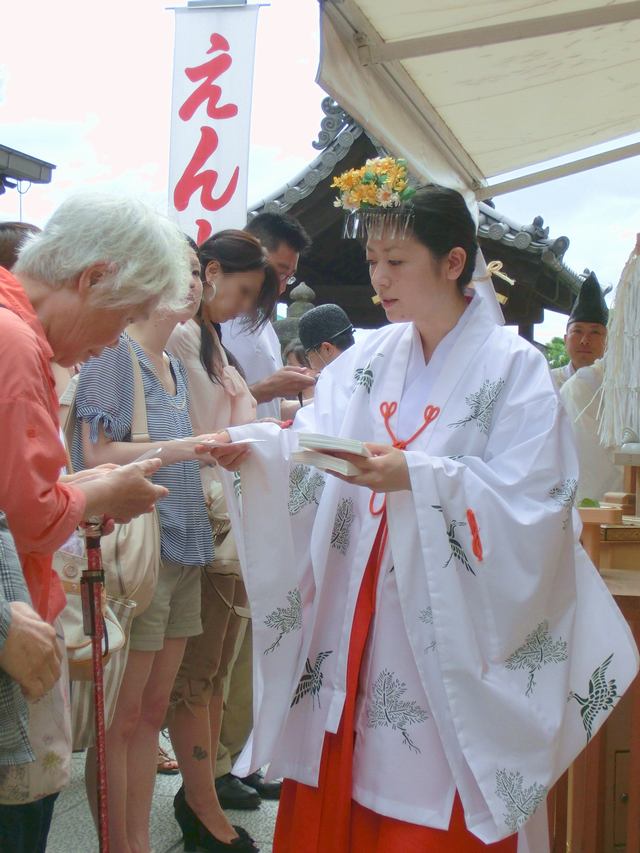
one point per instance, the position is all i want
(483, 286)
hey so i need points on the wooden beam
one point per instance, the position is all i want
(371, 53)
(560, 171)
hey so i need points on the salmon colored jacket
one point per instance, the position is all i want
(42, 512)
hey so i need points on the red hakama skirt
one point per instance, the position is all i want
(325, 819)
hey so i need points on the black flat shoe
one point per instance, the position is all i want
(196, 836)
(233, 794)
(267, 790)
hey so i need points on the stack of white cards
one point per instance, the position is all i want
(312, 447)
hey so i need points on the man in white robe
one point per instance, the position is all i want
(586, 335)
(581, 396)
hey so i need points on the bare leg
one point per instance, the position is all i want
(143, 748)
(194, 731)
(118, 738)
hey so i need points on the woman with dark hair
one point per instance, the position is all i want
(238, 280)
(423, 622)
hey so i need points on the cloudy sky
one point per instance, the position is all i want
(87, 86)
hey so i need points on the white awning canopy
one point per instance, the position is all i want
(467, 92)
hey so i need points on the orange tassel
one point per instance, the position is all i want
(476, 542)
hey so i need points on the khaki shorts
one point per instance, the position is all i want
(174, 611)
(207, 657)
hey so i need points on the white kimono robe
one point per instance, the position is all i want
(581, 396)
(483, 675)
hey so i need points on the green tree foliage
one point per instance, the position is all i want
(557, 353)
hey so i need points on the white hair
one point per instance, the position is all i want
(147, 255)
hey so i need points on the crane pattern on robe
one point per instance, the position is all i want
(457, 550)
(565, 494)
(365, 376)
(601, 698)
(285, 619)
(311, 680)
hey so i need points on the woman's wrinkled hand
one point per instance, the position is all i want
(385, 470)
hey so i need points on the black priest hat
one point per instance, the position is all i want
(590, 306)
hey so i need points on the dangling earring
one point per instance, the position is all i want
(210, 293)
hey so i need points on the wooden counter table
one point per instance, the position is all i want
(595, 807)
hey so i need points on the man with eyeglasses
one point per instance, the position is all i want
(325, 332)
(259, 352)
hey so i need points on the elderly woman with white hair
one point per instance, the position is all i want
(99, 264)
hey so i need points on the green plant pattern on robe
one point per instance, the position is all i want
(341, 533)
(305, 488)
(481, 405)
(237, 485)
(387, 707)
(520, 802)
(601, 697)
(311, 680)
(285, 619)
(426, 616)
(538, 650)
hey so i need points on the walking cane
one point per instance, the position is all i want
(92, 588)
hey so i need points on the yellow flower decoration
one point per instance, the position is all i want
(381, 183)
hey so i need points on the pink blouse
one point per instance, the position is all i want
(214, 406)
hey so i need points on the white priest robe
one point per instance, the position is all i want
(581, 396)
(496, 651)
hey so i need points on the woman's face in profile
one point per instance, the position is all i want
(236, 294)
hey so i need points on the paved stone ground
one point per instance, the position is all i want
(72, 830)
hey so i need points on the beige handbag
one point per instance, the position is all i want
(131, 554)
(82, 707)
(225, 560)
(69, 567)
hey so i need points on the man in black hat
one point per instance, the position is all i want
(581, 392)
(586, 335)
(325, 332)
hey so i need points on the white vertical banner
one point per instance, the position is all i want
(211, 117)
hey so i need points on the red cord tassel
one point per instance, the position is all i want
(476, 542)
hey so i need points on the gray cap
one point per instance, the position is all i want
(322, 324)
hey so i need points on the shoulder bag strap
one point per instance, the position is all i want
(139, 423)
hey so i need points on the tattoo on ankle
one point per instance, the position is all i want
(199, 753)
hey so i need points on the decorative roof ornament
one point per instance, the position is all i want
(335, 120)
(377, 198)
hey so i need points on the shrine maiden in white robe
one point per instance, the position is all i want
(488, 666)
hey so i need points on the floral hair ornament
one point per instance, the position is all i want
(376, 198)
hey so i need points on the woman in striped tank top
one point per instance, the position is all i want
(104, 404)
